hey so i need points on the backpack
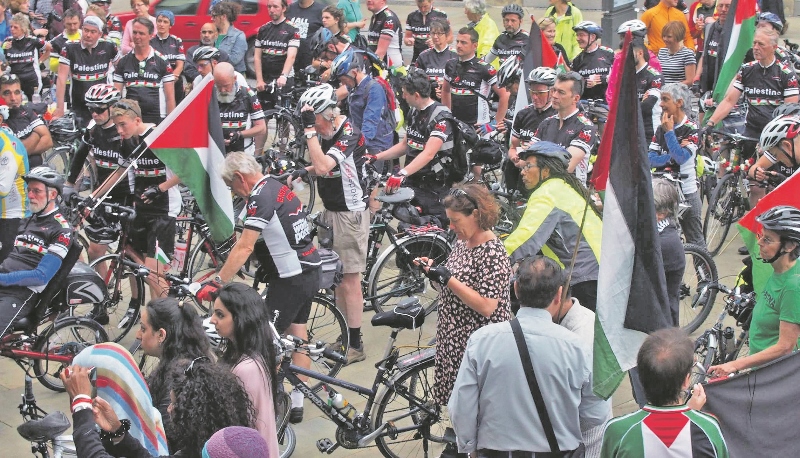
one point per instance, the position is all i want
(456, 164)
(391, 100)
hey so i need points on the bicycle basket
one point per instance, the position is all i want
(331, 271)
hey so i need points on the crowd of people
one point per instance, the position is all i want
(535, 289)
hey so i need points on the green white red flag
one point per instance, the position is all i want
(191, 144)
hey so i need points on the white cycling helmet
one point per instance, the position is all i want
(102, 95)
(635, 26)
(509, 71)
(211, 333)
(784, 127)
(542, 75)
(319, 98)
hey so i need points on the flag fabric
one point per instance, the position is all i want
(561, 65)
(539, 54)
(785, 194)
(191, 144)
(757, 409)
(160, 255)
(737, 35)
(631, 287)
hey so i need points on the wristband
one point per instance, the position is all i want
(123, 428)
(403, 172)
(80, 405)
(82, 396)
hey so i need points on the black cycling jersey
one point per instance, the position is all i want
(764, 89)
(113, 27)
(577, 131)
(648, 81)
(38, 235)
(418, 25)
(307, 21)
(238, 116)
(277, 214)
(150, 171)
(22, 56)
(780, 167)
(597, 62)
(386, 22)
(527, 121)
(341, 189)
(171, 48)
(421, 126)
(712, 48)
(104, 143)
(470, 82)
(22, 121)
(507, 44)
(57, 44)
(433, 63)
(144, 82)
(273, 41)
(87, 67)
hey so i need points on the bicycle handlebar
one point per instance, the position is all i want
(735, 137)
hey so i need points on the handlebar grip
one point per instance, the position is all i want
(333, 355)
(29, 399)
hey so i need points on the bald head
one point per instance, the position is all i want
(208, 34)
(225, 80)
(224, 70)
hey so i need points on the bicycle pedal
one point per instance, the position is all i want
(326, 446)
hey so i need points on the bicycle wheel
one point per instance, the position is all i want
(146, 363)
(415, 423)
(721, 213)
(309, 194)
(56, 159)
(204, 263)
(285, 135)
(87, 179)
(67, 337)
(287, 444)
(119, 313)
(697, 294)
(327, 324)
(395, 276)
(704, 357)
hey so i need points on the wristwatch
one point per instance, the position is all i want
(218, 279)
(311, 134)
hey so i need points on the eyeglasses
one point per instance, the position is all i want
(528, 166)
(188, 371)
(458, 192)
(763, 239)
(540, 92)
(437, 34)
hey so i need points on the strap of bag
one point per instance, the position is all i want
(530, 375)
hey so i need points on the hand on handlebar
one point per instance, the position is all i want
(722, 370)
(301, 173)
(151, 194)
(759, 174)
(393, 183)
(68, 193)
(208, 291)
(261, 86)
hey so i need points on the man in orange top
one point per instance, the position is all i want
(657, 17)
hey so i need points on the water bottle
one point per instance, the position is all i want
(180, 254)
(340, 403)
(36, 97)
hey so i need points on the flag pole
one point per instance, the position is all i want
(136, 153)
(567, 281)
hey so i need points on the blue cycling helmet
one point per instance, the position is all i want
(589, 27)
(348, 60)
(772, 19)
(319, 41)
(547, 149)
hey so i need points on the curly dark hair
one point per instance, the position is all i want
(557, 170)
(416, 82)
(208, 397)
(185, 339)
(230, 10)
(487, 206)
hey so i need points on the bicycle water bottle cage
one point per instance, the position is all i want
(408, 314)
(46, 428)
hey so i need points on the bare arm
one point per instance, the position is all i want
(787, 342)
(690, 70)
(320, 162)
(577, 156)
(169, 94)
(383, 45)
(395, 151)
(178, 68)
(291, 55)
(483, 305)
(61, 89)
(239, 254)
(260, 84)
(446, 94)
(502, 106)
(725, 107)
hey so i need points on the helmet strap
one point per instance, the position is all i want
(774, 258)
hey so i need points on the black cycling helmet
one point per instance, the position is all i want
(319, 41)
(512, 8)
(46, 175)
(784, 220)
(547, 149)
(103, 234)
(205, 53)
(787, 109)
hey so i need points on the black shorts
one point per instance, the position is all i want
(289, 299)
(146, 230)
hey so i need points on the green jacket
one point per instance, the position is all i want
(565, 36)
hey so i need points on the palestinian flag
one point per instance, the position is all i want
(631, 287)
(539, 54)
(191, 144)
(785, 194)
(737, 34)
(561, 65)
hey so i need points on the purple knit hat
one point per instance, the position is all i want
(236, 442)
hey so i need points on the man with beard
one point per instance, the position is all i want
(24, 122)
(240, 110)
(513, 41)
(208, 36)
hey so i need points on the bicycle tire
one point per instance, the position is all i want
(395, 276)
(285, 135)
(287, 445)
(86, 182)
(696, 294)
(741, 351)
(56, 159)
(699, 372)
(720, 214)
(204, 263)
(417, 382)
(118, 302)
(68, 335)
(327, 324)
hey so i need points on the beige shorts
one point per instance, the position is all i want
(350, 237)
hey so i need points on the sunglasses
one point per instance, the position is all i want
(128, 107)
(98, 110)
(458, 193)
(9, 78)
(188, 371)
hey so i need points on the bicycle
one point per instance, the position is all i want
(43, 430)
(66, 141)
(400, 414)
(697, 294)
(284, 132)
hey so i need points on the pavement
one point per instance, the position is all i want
(315, 426)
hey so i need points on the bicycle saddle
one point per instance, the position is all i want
(400, 196)
(408, 314)
(47, 428)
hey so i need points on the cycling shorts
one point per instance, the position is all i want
(149, 230)
(289, 299)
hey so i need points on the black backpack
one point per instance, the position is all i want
(464, 139)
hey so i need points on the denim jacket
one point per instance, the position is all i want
(370, 111)
(235, 44)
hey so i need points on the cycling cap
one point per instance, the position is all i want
(792, 109)
(205, 53)
(348, 60)
(589, 27)
(167, 14)
(102, 95)
(773, 19)
(319, 98)
(542, 75)
(46, 175)
(784, 220)
(319, 40)
(94, 21)
(785, 127)
(547, 149)
(509, 71)
(513, 8)
(635, 26)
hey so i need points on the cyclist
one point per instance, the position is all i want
(770, 21)
(113, 25)
(41, 244)
(205, 60)
(706, 75)
(513, 41)
(13, 199)
(467, 83)
(384, 33)
(24, 122)
(428, 142)
(638, 31)
(208, 36)
(85, 63)
(242, 118)
(418, 26)
(648, 89)
(24, 53)
(276, 43)
(775, 328)
(778, 143)
(336, 147)
(508, 77)
(594, 61)
(569, 127)
(553, 219)
(170, 47)
(674, 146)
(434, 59)
(526, 122)
(72, 32)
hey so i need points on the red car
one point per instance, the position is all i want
(190, 15)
